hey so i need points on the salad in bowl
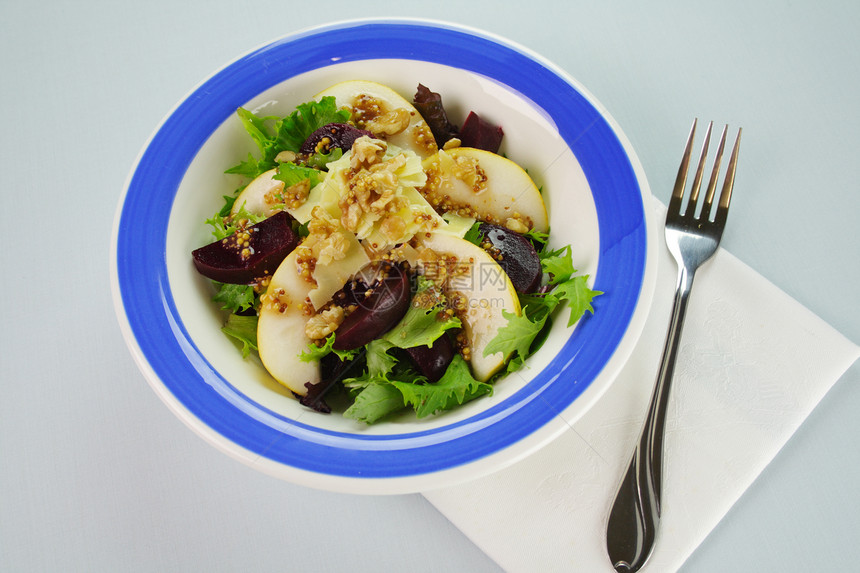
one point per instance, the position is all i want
(366, 257)
(379, 256)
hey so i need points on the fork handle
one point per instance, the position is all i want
(635, 514)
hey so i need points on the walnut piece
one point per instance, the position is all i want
(467, 170)
(324, 323)
(371, 187)
(366, 151)
(332, 248)
(389, 123)
(516, 225)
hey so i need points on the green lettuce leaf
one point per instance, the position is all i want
(244, 330)
(225, 225)
(293, 130)
(577, 295)
(290, 174)
(558, 264)
(524, 334)
(235, 298)
(422, 326)
(473, 235)
(314, 352)
(456, 387)
(274, 135)
(379, 362)
(321, 160)
(375, 400)
(540, 239)
(517, 335)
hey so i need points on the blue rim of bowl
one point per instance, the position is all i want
(162, 340)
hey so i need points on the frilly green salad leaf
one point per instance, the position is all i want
(421, 326)
(274, 135)
(388, 385)
(456, 387)
(577, 295)
(290, 174)
(518, 337)
(235, 298)
(244, 330)
(315, 352)
(374, 402)
(224, 226)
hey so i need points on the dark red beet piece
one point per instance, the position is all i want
(518, 257)
(268, 243)
(353, 292)
(480, 134)
(429, 105)
(432, 361)
(376, 313)
(341, 135)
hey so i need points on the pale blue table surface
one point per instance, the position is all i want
(97, 475)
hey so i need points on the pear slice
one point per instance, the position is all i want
(483, 290)
(281, 329)
(258, 196)
(497, 189)
(384, 112)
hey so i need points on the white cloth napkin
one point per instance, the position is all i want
(753, 364)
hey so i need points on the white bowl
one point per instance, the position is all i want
(595, 191)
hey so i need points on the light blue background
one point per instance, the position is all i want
(97, 475)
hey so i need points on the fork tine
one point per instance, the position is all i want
(700, 170)
(715, 174)
(681, 179)
(728, 185)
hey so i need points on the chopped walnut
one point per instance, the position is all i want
(466, 169)
(365, 108)
(321, 222)
(324, 323)
(516, 225)
(332, 248)
(389, 123)
(366, 151)
(451, 144)
(371, 191)
(350, 215)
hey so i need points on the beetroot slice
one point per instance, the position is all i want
(268, 243)
(376, 313)
(340, 135)
(432, 361)
(515, 254)
(480, 134)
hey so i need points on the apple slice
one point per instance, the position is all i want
(382, 111)
(484, 291)
(281, 329)
(497, 189)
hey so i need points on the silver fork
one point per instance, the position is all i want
(692, 237)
